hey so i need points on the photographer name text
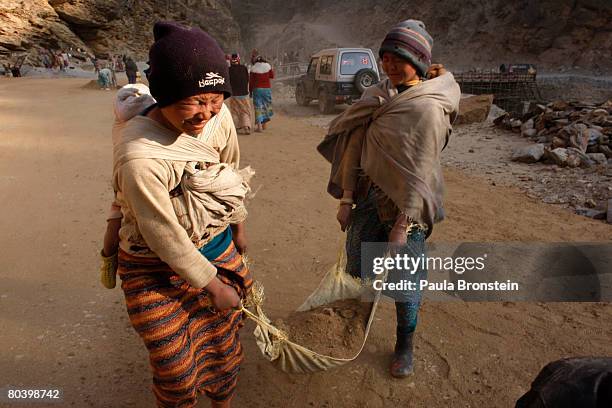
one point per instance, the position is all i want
(445, 285)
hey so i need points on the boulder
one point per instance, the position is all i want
(598, 114)
(558, 142)
(606, 150)
(474, 109)
(529, 133)
(528, 124)
(495, 113)
(501, 119)
(561, 115)
(528, 154)
(559, 156)
(515, 124)
(542, 139)
(573, 161)
(591, 136)
(579, 141)
(559, 105)
(540, 124)
(598, 158)
(592, 213)
(578, 158)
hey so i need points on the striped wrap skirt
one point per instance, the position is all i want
(193, 349)
(241, 108)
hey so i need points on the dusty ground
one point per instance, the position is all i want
(61, 329)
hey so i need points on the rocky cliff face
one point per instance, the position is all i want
(106, 26)
(25, 25)
(554, 34)
(116, 25)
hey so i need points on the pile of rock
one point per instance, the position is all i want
(567, 134)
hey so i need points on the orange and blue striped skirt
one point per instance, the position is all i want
(193, 349)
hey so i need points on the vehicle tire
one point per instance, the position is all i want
(327, 102)
(365, 78)
(300, 96)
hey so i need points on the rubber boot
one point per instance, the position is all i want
(401, 365)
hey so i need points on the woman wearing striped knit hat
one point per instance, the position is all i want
(385, 156)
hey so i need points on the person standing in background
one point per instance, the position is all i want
(59, 60)
(65, 60)
(105, 78)
(261, 90)
(240, 103)
(130, 69)
(45, 59)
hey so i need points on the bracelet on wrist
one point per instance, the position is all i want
(346, 201)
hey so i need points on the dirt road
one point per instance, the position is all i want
(62, 329)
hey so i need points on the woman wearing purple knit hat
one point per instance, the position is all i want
(181, 236)
(385, 156)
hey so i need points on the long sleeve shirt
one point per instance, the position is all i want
(239, 79)
(260, 76)
(155, 222)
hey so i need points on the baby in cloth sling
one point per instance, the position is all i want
(134, 99)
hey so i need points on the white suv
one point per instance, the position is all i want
(337, 75)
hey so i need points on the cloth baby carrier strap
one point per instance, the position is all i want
(162, 145)
(213, 196)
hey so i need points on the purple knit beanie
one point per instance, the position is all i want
(411, 41)
(185, 62)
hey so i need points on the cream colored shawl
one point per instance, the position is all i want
(214, 196)
(404, 136)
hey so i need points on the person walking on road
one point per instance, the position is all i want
(260, 88)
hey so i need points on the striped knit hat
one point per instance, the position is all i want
(411, 41)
